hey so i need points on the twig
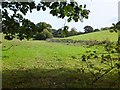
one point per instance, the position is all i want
(65, 22)
(103, 75)
(91, 71)
(7, 48)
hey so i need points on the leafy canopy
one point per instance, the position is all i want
(15, 25)
(88, 29)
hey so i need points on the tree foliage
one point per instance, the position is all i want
(43, 25)
(15, 25)
(116, 28)
(43, 35)
(62, 32)
(96, 30)
(88, 29)
(73, 32)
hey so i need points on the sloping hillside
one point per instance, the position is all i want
(102, 35)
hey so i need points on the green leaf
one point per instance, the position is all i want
(85, 6)
(83, 58)
(43, 8)
(38, 8)
(69, 19)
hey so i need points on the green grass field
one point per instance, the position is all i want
(102, 35)
(37, 64)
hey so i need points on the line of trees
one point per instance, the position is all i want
(45, 31)
(64, 32)
(89, 29)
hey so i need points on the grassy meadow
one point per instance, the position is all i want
(42, 64)
(100, 36)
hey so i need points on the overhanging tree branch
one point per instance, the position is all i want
(15, 25)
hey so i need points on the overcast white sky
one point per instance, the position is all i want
(103, 14)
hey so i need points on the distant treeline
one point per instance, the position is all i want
(48, 32)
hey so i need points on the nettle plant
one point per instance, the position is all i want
(108, 61)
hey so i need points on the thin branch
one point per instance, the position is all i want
(91, 71)
(7, 48)
(65, 22)
(103, 75)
